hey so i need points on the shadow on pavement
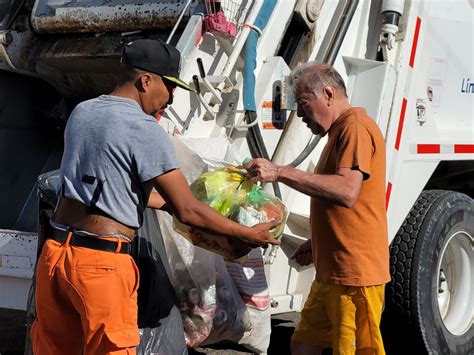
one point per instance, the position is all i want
(12, 331)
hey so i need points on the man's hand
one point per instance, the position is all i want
(262, 170)
(304, 254)
(260, 235)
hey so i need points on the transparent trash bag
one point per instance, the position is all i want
(210, 305)
(159, 318)
(232, 195)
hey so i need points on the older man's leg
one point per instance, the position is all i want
(314, 331)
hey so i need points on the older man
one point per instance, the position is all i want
(115, 153)
(349, 245)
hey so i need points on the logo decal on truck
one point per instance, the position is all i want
(467, 87)
(420, 111)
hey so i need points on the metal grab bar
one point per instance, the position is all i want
(206, 82)
(201, 98)
(177, 22)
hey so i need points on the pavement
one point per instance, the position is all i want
(12, 331)
(13, 334)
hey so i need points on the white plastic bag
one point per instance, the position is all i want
(249, 278)
(210, 305)
(209, 290)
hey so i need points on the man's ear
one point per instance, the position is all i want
(328, 94)
(144, 82)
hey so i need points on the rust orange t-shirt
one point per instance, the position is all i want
(351, 244)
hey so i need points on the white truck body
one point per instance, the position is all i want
(420, 91)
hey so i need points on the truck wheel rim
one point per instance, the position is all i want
(456, 283)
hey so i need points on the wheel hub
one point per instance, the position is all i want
(456, 283)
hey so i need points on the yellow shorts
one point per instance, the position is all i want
(345, 318)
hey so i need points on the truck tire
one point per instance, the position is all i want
(430, 299)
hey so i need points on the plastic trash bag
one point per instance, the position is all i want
(196, 158)
(231, 319)
(193, 277)
(47, 185)
(224, 189)
(159, 319)
(210, 305)
(249, 278)
(260, 206)
(231, 194)
(46, 190)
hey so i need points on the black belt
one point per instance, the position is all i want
(90, 242)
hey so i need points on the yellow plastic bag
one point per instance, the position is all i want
(230, 193)
(223, 190)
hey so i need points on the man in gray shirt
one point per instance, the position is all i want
(115, 153)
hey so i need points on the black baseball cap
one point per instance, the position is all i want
(154, 56)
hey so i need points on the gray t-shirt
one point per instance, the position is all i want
(111, 151)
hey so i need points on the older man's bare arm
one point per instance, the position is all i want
(342, 188)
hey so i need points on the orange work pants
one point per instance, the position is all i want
(86, 302)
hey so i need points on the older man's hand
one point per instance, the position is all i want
(304, 254)
(262, 170)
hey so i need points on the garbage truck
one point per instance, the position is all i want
(409, 63)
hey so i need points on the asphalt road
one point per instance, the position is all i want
(13, 332)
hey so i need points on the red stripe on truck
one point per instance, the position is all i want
(415, 42)
(400, 124)
(463, 148)
(387, 195)
(428, 148)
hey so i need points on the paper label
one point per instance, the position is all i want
(250, 280)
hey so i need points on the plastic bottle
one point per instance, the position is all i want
(194, 296)
(220, 317)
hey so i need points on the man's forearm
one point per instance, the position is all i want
(201, 216)
(332, 188)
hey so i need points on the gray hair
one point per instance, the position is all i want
(318, 75)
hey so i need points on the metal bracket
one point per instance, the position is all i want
(224, 82)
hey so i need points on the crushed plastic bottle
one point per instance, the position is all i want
(194, 296)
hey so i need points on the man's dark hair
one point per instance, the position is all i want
(127, 74)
